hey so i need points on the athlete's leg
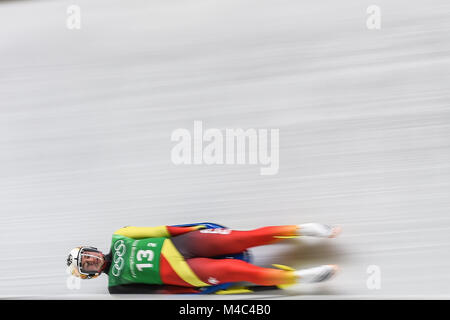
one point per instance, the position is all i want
(216, 242)
(217, 271)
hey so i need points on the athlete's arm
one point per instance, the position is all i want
(155, 232)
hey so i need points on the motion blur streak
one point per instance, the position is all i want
(364, 117)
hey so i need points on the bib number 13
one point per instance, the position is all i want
(145, 254)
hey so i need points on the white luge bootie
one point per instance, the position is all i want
(318, 230)
(316, 274)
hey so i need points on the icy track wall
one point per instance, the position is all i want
(86, 117)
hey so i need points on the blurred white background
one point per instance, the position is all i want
(86, 117)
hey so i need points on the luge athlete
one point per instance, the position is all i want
(144, 258)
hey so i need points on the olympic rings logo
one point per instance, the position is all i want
(118, 262)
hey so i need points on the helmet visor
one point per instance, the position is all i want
(90, 261)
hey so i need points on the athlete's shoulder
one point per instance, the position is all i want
(143, 232)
